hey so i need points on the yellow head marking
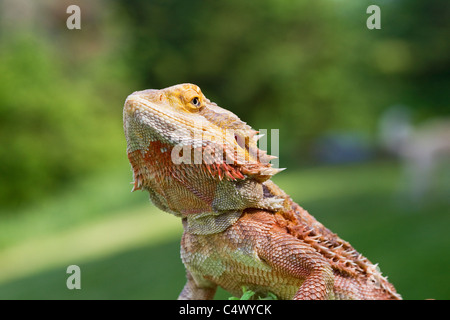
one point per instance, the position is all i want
(186, 97)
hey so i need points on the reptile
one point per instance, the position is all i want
(201, 163)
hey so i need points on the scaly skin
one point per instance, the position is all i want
(201, 163)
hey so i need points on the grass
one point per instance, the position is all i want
(127, 249)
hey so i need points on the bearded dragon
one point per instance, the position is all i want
(201, 163)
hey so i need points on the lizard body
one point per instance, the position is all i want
(201, 163)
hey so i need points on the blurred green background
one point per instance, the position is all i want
(361, 113)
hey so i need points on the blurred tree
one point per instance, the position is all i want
(411, 56)
(61, 99)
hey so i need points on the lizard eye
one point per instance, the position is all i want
(196, 102)
(192, 100)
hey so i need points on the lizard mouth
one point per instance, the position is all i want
(144, 106)
(145, 121)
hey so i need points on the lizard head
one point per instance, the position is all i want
(175, 115)
(180, 119)
(170, 115)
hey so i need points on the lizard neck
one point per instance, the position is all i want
(210, 223)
